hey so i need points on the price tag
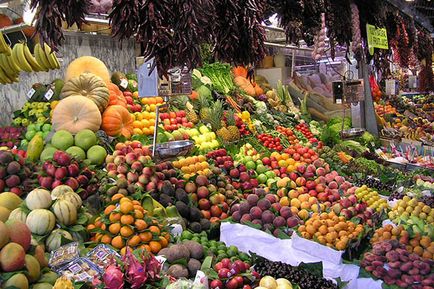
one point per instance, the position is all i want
(124, 83)
(49, 94)
(31, 93)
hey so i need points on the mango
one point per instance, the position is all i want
(10, 200)
(42, 286)
(49, 277)
(4, 214)
(40, 256)
(4, 234)
(34, 148)
(19, 233)
(12, 257)
(33, 268)
(18, 280)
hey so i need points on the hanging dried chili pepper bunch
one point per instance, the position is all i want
(155, 32)
(124, 18)
(312, 19)
(290, 16)
(339, 26)
(424, 54)
(252, 33)
(191, 28)
(49, 16)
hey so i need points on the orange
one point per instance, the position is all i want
(138, 214)
(90, 227)
(114, 217)
(109, 209)
(103, 227)
(154, 229)
(135, 202)
(163, 242)
(124, 250)
(98, 237)
(127, 219)
(146, 236)
(106, 239)
(126, 207)
(125, 199)
(118, 242)
(117, 197)
(115, 228)
(145, 247)
(126, 231)
(155, 247)
(140, 224)
(166, 235)
(98, 222)
(134, 241)
(139, 208)
(418, 250)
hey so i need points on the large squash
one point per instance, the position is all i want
(90, 86)
(88, 64)
(75, 114)
(116, 120)
(41, 221)
(116, 95)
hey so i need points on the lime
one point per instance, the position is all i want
(250, 165)
(38, 127)
(234, 248)
(31, 127)
(96, 154)
(62, 140)
(196, 239)
(186, 235)
(30, 134)
(46, 127)
(85, 139)
(231, 253)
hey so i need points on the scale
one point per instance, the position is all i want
(150, 85)
(349, 92)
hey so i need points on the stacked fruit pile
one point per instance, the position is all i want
(126, 224)
(15, 175)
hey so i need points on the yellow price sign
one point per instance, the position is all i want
(377, 38)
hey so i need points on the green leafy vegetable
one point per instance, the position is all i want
(220, 75)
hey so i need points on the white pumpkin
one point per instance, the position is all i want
(54, 240)
(19, 215)
(38, 199)
(73, 198)
(41, 221)
(60, 190)
(65, 212)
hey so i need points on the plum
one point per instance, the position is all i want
(245, 218)
(377, 264)
(395, 264)
(407, 279)
(394, 273)
(267, 217)
(264, 204)
(252, 199)
(244, 208)
(255, 212)
(285, 212)
(406, 267)
(279, 222)
(402, 284)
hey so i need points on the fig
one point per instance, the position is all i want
(394, 273)
(392, 256)
(369, 268)
(407, 279)
(406, 267)
(377, 264)
(394, 265)
(413, 272)
(427, 282)
(401, 283)
(377, 274)
(404, 258)
(389, 280)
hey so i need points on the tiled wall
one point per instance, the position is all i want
(13, 96)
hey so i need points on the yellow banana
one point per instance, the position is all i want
(41, 58)
(13, 64)
(50, 56)
(4, 47)
(19, 58)
(30, 59)
(6, 67)
(4, 77)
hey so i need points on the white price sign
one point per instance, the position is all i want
(30, 93)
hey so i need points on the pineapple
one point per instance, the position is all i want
(205, 109)
(216, 114)
(191, 113)
(232, 128)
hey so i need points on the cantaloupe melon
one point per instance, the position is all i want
(87, 64)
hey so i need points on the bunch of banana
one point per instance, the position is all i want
(46, 59)
(4, 47)
(9, 71)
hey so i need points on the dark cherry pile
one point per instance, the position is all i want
(295, 275)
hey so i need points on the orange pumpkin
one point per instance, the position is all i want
(116, 120)
(116, 95)
(258, 89)
(245, 85)
(194, 95)
(239, 71)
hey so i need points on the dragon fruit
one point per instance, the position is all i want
(113, 277)
(135, 271)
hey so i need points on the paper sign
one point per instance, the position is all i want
(148, 81)
(31, 93)
(49, 94)
(124, 83)
(377, 38)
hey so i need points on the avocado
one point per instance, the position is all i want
(205, 223)
(117, 78)
(165, 200)
(57, 86)
(195, 214)
(182, 209)
(168, 189)
(181, 195)
(195, 227)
